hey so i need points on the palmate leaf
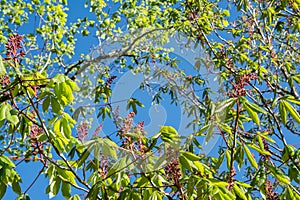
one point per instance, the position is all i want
(133, 103)
(155, 196)
(100, 147)
(109, 148)
(119, 165)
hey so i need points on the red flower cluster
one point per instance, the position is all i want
(12, 46)
(270, 192)
(82, 131)
(239, 86)
(172, 168)
(38, 147)
(129, 142)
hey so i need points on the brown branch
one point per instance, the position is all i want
(113, 54)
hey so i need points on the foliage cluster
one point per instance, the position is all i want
(253, 47)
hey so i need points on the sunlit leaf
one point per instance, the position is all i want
(292, 111)
(250, 157)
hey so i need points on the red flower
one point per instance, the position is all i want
(12, 46)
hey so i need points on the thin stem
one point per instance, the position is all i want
(232, 149)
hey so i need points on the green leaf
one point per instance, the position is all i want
(256, 148)
(132, 103)
(59, 78)
(75, 197)
(55, 105)
(292, 111)
(185, 163)
(219, 183)
(141, 181)
(2, 68)
(252, 114)
(264, 135)
(223, 105)
(168, 134)
(13, 119)
(16, 187)
(2, 190)
(190, 156)
(279, 175)
(250, 157)
(46, 104)
(119, 165)
(6, 160)
(83, 157)
(67, 176)
(239, 156)
(54, 187)
(109, 150)
(73, 85)
(155, 196)
(282, 112)
(225, 127)
(228, 158)
(3, 110)
(245, 185)
(226, 13)
(239, 192)
(66, 128)
(202, 130)
(200, 166)
(94, 191)
(210, 132)
(254, 107)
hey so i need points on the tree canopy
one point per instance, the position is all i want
(47, 73)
